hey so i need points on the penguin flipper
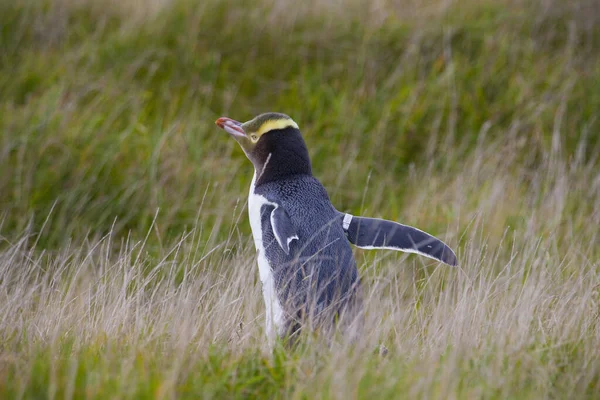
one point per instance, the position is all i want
(375, 233)
(283, 228)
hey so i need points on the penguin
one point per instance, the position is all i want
(306, 264)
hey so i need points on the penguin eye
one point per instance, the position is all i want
(254, 137)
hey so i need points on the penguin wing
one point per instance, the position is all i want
(283, 228)
(374, 233)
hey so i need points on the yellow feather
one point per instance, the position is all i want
(274, 124)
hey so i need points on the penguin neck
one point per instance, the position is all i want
(283, 154)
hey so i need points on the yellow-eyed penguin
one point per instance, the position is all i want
(305, 261)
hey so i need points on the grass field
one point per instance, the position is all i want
(127, 268)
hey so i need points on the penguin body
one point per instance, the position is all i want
(306, 265)
(313, 275)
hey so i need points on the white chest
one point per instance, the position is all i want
(273, 311)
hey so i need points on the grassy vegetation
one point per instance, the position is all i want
(126, 265)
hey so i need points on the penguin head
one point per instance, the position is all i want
(272, 141)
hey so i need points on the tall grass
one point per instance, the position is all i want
(518, 318)
(126, 264)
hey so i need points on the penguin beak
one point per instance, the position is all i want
(231, 126)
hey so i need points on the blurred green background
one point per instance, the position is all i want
(107, 108)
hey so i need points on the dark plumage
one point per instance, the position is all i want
(319, 278)
(288, 155)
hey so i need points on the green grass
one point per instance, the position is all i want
(105, 115)
(126, 267)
